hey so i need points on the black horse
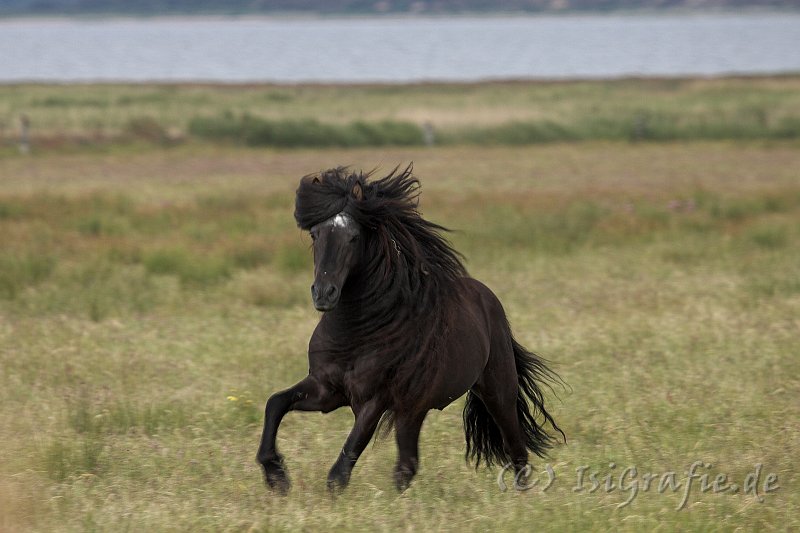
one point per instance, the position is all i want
(404, 330)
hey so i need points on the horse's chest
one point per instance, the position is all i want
(363, 377)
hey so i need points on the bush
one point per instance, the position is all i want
(146, 128)
(255, 131)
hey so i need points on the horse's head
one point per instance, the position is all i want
(337, 250)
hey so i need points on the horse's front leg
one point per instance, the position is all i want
(367, 417)
(407, 430)
(308, 395)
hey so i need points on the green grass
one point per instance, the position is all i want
(151, 300)
(509, 113)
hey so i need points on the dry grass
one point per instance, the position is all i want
(155, 299)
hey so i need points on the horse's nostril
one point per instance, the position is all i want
(328, 293)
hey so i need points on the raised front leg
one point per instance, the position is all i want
(367, 418)
(407, 429)
(307, 395)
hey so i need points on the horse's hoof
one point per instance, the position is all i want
(337, 481)
(335, 487)
(276, 477)
(279, 483)
(402, 478)
(522, 472)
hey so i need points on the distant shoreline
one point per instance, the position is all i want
(243, 85)
(304, 15)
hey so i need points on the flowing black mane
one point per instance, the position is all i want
(389, 210)
(394, 308)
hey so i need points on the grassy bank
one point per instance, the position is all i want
(512, 113)
(150, 301)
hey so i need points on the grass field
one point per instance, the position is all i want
(152, 298)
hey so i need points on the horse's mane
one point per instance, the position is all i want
(388, 208)
(393, 313)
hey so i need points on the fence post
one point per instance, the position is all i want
(24, 134)
(428, 134)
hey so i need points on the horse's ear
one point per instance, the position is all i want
(358, 192)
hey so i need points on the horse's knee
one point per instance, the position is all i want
(278, 402)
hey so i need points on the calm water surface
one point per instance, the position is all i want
(397, 49)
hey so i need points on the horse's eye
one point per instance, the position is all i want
(355, 237)
(313, 236)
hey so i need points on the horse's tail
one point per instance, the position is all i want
(532, 372)
(484, 440)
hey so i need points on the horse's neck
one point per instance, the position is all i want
(366, 304)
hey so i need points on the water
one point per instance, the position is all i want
(397, 49)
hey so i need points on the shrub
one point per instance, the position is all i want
(255, 131)
(146, 128)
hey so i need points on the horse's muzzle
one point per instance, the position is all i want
(325, 296)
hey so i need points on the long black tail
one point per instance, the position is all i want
(484, 440)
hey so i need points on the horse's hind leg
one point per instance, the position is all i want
(407, 433)
(498, 389)
(503, 410)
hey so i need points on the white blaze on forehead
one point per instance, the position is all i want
(340, 221)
